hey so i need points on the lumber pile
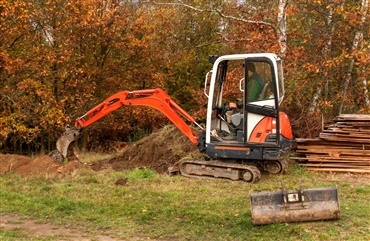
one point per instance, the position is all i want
(342, 146)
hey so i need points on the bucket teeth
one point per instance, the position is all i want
(70, 135)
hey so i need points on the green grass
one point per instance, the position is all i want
(159, 207)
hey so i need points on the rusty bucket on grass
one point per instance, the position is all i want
(295, 206)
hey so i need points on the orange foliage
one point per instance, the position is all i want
(60, 58)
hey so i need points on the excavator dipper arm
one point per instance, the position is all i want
(156, 98)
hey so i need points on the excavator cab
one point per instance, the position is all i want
(255, 132)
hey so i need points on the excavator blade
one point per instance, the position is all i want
(71, 134)
(295, 206)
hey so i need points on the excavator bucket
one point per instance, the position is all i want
(71, 134)
(295, 206)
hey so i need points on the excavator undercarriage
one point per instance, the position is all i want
(234, 170)
(219, 169)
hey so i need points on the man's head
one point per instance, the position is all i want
(251, 67)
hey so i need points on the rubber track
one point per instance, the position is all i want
(254, 170)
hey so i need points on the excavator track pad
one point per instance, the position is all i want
(218, 169)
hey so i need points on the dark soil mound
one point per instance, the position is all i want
(159, 151)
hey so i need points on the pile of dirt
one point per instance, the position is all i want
(159, 151)
(42, 165)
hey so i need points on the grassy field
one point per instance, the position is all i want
(159, 207)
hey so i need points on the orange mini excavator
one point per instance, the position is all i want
(239, 141)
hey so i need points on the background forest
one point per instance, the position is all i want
(59, 58)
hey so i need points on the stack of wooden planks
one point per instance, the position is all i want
(342, 146)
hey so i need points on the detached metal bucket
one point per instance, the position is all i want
(295, 206)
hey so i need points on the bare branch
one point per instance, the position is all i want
(180, 3)
(223, 39)
(217, 11)
(243, 20)
(15, 40)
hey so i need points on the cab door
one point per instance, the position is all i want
(260, 102)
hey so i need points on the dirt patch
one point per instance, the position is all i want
(46, 230)
(42, 165)
(158, 151)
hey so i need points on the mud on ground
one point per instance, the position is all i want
(158, 151)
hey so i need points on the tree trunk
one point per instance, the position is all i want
(326, 52)
(366, 94)
(282, 25)
(358, 38)
(83, 141)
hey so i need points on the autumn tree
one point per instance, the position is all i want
(321, 33)
(60, 58)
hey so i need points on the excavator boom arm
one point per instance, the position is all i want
(156, 98)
